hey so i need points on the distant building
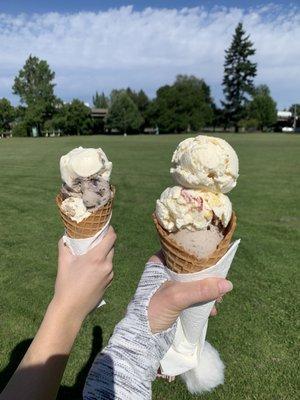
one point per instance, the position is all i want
(284, 115)
(287, 122)
(99, 113)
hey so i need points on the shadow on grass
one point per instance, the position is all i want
(65, 392)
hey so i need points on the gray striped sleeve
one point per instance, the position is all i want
(125, 369)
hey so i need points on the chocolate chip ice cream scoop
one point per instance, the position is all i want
(95, 192)
(74, 191)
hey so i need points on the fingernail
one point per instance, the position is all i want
(225, 286)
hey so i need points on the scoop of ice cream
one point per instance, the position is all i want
(67, 191)
(205, 162)
(95, 192)
(75, 209)
(82, 163)
(180, 208)
(200, 243)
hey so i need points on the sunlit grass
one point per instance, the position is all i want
(255, 331)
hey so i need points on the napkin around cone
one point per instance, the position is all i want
(192, 324)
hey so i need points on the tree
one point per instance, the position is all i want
(142, 102)
(184, 106)
(239, 72)
(71, 119)
(218, 117)
(139, 98)
(77, 118)
(123, 114)
(7, 115)
(34, 84)
(100, 100)
(263, 107)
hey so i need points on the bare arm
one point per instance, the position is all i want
(80, 284)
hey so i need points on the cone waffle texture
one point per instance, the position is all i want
(89, 226)
(182, 262)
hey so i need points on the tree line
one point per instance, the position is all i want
(184, 106)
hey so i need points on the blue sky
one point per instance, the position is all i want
(100, 45)
(41, 6)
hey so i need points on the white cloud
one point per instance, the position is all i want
(145, 49)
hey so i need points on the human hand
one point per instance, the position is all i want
(173, 297)
(82, 280)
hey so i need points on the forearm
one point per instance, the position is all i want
(39, 373)
(125, 369)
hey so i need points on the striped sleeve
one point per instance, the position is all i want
(125, 369)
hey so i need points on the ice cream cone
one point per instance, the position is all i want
(89, 226)
(180, 261)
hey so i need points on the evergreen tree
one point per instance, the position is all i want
(263, 107)
(123, 114)
(34, 84)
(139, 98)
(239, 72)
(142, 101)
(100, 100)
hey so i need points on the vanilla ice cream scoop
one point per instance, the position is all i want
(205, 162)
(75, 209)
(82, 163)
(180, 208)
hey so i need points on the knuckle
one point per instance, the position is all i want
(112, 232)
(206, 290)
(113, 236)
(174, 294)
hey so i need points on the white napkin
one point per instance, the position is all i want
(191, 330)
(81, 246)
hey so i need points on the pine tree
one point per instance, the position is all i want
(100, 100)
(239, 72)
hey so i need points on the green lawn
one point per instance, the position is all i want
(255, 331)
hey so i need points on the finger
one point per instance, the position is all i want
(110, 255)
(158, 258)
(63, 249)
(60, 244)
(104, 247)
(213, 312)
(219, 300)
(189, 293)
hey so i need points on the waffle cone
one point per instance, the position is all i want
(89, 226)
(182, 262)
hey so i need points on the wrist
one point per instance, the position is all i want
(65, 315)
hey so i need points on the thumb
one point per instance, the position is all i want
(189, 293)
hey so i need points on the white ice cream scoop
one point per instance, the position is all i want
(205, 162)
(82, 163)
(179, 208)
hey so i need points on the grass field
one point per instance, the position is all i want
(255, 331)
